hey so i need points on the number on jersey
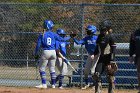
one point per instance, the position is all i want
(49, 40)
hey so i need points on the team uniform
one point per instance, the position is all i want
(106, 44)
(60, 63)
(90, 44)
(48, 42)
(134, 49)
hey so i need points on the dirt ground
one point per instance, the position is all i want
(56, 90)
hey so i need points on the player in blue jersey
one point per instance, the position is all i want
(90, 43)
(48, 42)
(61, 54)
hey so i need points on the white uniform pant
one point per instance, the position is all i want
(62, 66)
(90, 65)
(48, 57)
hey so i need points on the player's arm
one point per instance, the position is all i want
(68, 44)
(38, 44)
(97, 48)
(79, 42)
(67, 38)
(57, 37)
(112, 67)
(58, 53)
(132, 46)
(113, 47)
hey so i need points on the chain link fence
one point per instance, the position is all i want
(20, 25)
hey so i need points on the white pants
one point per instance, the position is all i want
(48, 57)
(90, 65)
(62, 66)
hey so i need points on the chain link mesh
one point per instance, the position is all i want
(20, 25)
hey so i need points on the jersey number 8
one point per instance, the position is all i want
(49, 41)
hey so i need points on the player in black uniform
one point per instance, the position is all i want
(106, 47)
(134, 49)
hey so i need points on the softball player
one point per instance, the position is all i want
(48, 40)
(90, 43)
(61, 54)
(106, 43)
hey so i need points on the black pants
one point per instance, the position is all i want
(100, 68)
(102, 63)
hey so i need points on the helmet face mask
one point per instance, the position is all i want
(103, 30)
(89, 32)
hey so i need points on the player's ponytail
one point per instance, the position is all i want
(44, 32)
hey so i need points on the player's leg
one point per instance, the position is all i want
(42, 67)
(110, 77)
(87, 70)
(94, 63)
(59, 67)
(63, 72)
(111, 80)
(51, 64)
(97, 77)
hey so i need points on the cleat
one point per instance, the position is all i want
(93, 88)
(61, 87)
(85, 87)
(53, 86)
(42, 86)
(50, 82)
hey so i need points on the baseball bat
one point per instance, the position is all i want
(96, 61)
(70, 65)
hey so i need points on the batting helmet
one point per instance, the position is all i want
(60, 31)
(48, 24)
(91, 29)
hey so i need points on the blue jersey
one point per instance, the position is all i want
(62, 47)
(89, 42)
(48, 40)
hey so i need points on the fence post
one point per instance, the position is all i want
(27, 64)
(82, 57)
